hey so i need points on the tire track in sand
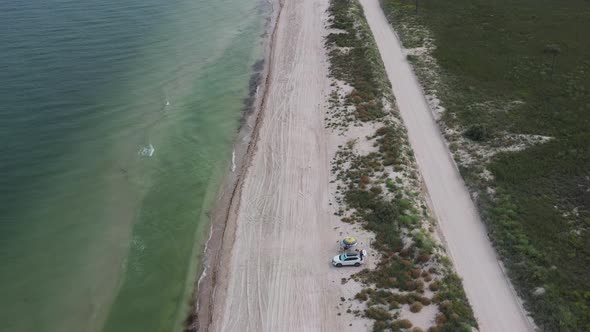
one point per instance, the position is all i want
(273, 283)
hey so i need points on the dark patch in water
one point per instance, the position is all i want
(253, 85)
(258, 65)
(191, 323)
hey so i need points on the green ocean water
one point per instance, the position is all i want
(116, 125)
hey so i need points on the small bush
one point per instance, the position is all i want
(361, 296)
(405, 252)
(402, 298)
(393, 305)
(423, 257)
(477, 132)
(405, 262)
(441, 319)
(424, 241)
(378, 314)
(434, 286)
(416, 307)
(347, 220)
(425, 301)
(364, 180)
(389, 161)
(382, 131)
(445, 305)
(420, 286)
(412, 297)
(404, 323)
(380, 297)
(376, 190)
(436, 298)
(410, 286)
(416, 273)
(380, 326)
(364, 294)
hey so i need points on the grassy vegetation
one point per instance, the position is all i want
(412, 264)
(520, 67)
(354, 59)
(392, 215)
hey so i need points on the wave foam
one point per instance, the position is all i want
(147, 151)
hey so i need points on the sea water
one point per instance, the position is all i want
(116, 125)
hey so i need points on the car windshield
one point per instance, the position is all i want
(342, 257)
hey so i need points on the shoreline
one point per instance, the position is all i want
(279, 201)
(222, 214)
(282, 205)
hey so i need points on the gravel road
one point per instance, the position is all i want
(495, 304)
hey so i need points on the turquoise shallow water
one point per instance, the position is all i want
(116, 123)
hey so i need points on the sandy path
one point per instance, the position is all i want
(278, 274)
(494, 302)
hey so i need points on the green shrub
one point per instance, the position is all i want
(477, 132)
(423, 257)
(517, 67)
(416, 307)
(364, 294)
(404, 323)
(416, 273)
(360, 67)
(377, 313)
(425, 301)
(434, 286)
(441, 319)
(380, 326)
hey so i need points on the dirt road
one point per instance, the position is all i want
(276, 279)
(494, 302)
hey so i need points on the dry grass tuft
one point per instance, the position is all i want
(416, 307)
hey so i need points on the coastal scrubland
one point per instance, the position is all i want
(509, 83)
(379, 187)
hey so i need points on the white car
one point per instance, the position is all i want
(350, 258)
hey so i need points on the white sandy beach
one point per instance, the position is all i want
(277, 275)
